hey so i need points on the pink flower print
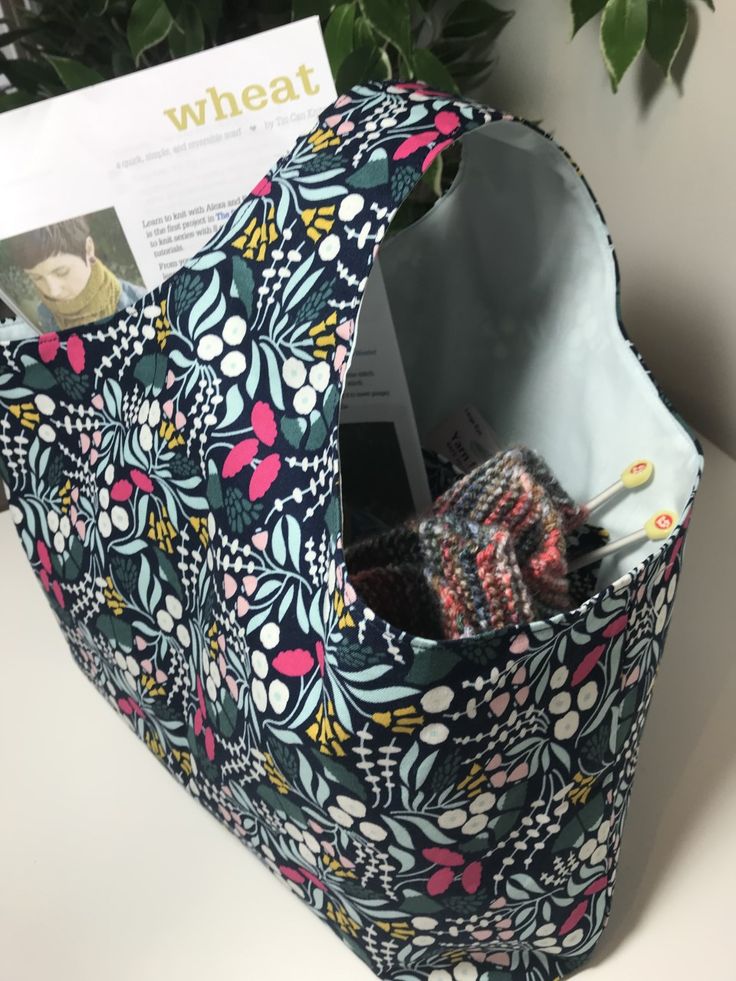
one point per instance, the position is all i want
(263, 423)
(319, 650)
(446, 122)
(199, 719)
(294, 664)
(43, 555)
(293, 874)
(499, 776)
(617, 626)
(597, 886)
(471, 877)
(230, 585)
(451, 862)
(130, 707)
(260, 540)
(574, 918)
(587, 664)
(419, 87)
(121, 490)
(75, 353)
(313, 879)
(443, 856)
(262, 188)
(58, 595)
(263, 476)
(48, 347)
(429, 159)
(141, 480)
(239, 456)
(415, 142)
(440, 881)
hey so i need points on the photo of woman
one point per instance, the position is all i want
(56, 277)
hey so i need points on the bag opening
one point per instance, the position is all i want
(505, 296)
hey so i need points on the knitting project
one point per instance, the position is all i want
(492, 552)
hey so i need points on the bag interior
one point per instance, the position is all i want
(504, 296)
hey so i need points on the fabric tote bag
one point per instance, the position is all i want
(453, 810)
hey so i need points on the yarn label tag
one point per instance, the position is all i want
(465, 438)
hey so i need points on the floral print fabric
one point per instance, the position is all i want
(452, 810)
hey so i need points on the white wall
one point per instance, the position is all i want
(664, 172)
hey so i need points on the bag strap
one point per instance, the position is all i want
(326, 205)
(304, 241)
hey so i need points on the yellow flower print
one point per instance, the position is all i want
(65, 494)
(163, 326)
(402, 720)
(27, 413)
(338, 915)
(200, 529)
(161, 531)
(154, 745)
(274, 774)
(214, 637)
(152, 686)
(319, 221)
(328, 732)
(582, 786)
(183, 758)
(337, 868)
(113, 598)
(257, 237)
(325, 338)
(344, 617)
(323, 138)
(475, 780)
(168, 431)
(400, 930)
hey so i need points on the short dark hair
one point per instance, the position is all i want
(30, 248)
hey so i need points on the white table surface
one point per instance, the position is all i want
(109, 870)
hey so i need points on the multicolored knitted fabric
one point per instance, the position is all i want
(492, 552)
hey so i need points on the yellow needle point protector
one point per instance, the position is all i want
(660, 525)
(637, 474)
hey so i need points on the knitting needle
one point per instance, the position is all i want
(637, 474)
(657, 528)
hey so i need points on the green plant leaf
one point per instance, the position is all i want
(583, 11)
(98, 7)
(73, 73)
(187, 32)
(666, 31)
(365, 64)
(428, 68)
(623, 34)
(10, 37)
(211, 13)
(14, 100)
(148, 25)
(472, 19)
(338, 35)
(28, 75)
(392, 20)
(308, 8)
(364, 33)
